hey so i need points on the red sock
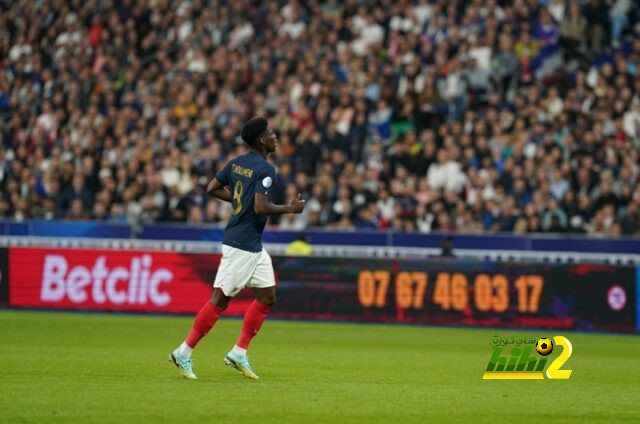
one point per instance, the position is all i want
(207, 316)
(253, 319)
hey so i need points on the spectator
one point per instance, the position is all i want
(573, 31)
(447, 247)
(445, 173)
(299, 247)
(473, 116)
(619, 18)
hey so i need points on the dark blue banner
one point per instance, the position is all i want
(542, 243)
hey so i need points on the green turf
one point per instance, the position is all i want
(60, 367)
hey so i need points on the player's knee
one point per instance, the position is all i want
(268, 300)
(219, 299)
(220, 303)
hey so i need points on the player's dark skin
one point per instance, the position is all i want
(265, 144)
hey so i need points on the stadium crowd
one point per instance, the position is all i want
(424, 115)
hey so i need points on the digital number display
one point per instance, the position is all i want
(458, 292)
(451, 291)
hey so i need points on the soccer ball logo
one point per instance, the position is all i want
(544, 346)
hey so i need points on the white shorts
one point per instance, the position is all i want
(239, 268)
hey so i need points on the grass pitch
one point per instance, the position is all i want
(61, 367)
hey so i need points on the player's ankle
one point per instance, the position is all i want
(237, 350)
(185, 350)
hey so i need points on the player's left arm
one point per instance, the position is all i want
(263, 206)
(216, 189)
(261, 200)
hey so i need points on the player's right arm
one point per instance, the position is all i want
(216, 186)
(263, 206)
(216, 189)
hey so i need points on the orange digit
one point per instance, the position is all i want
(404, 290)
(441, 292)
(460, 296)
(420, 279)
(536, 283)
(500, 301)
(383, 284)
(482, 292)
(366, 288)
(521, 285)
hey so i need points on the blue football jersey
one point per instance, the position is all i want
(245, 176)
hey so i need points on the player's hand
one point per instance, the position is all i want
(297, 204)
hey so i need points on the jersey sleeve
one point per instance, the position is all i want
(266, 180)
(223, 175)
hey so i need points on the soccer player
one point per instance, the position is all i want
(250, 179)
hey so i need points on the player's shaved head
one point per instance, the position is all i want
(253, 129)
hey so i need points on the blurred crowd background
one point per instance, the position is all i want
(425, 115)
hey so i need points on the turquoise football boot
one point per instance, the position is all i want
(241, 363)
(184, 364)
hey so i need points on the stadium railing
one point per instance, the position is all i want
(546, 248)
